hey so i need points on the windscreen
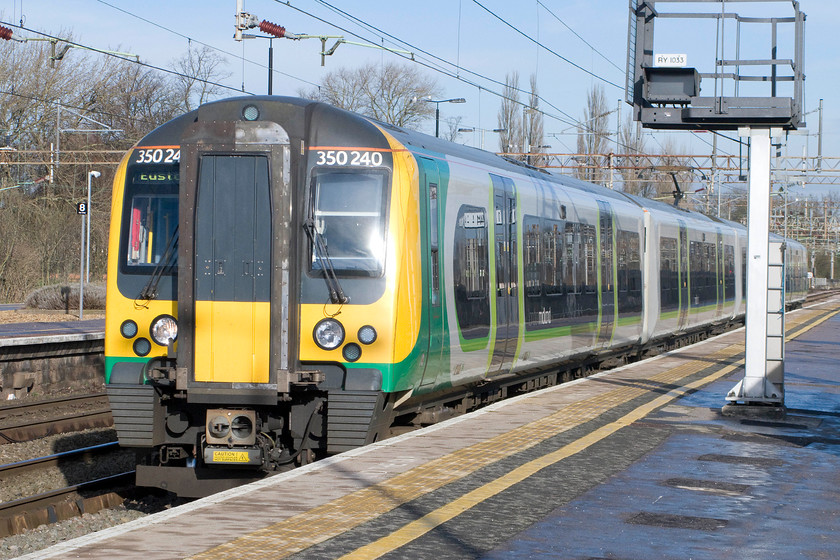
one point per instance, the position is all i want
(349, 211)
(151, 217)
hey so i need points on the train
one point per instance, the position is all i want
(288, 280)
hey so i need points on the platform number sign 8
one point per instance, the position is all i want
(81, 208)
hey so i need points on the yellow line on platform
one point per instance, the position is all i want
(819, 321)
(421, 526)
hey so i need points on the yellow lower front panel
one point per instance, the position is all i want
(232, 341)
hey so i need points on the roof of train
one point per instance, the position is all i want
(171, 132)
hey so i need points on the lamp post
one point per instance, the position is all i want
(91, 174)
(437, 103)
(84, 263)
(270, 57)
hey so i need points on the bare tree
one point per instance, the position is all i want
(534, 125)
(200, 71)
(511, 139)
(453, 125)
(593, 137)
(45, 101)
(637, 178)
(389, 92)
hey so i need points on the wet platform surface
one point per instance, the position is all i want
(638, 463)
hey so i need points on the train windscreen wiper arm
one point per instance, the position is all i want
(320, 249)
(149, 291)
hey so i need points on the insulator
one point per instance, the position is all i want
(272, 29)
(6, 33)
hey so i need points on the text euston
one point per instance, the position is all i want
(158, 155)
(343, 157)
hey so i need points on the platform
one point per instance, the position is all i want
(11, 332)
(636, 463)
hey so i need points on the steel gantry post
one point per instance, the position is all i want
(763, 382)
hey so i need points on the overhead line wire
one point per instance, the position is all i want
(126, 59)
(192, 40)
(457, 67)
(575, 122)
(555, 16)
(572, 121)
(433, 56)
(555, 53)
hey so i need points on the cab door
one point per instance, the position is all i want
(232, 264)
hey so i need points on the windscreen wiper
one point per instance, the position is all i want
(320, 248)
(149, 291)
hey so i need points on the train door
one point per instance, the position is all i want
(506, 289)
(684, 281)
(232, 264)
(606, 272)
(430, 187)
(719, 276)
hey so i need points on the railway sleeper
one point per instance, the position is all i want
(68, 508)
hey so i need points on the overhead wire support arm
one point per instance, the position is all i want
(246, 21)
(342, 40)
(59, 55)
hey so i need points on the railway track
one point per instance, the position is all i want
(821, 295)
(27, 421)
(63, 503)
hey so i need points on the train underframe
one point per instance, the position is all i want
(199, 449)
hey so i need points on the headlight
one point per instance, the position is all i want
(328, 334)
(164, 328)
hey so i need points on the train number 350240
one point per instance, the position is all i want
(158, 155)
(344, 157)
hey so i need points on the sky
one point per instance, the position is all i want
(583, 43)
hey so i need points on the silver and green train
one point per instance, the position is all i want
(288, 280)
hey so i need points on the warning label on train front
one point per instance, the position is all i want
(230, 456)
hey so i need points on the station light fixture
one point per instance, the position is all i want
(437, 103)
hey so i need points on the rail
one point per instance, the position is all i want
(53, 416)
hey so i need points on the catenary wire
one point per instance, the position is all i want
(192, 40)
(127, 59)
(552, 51)
(566, 119)
(576, 34)
(569, 119)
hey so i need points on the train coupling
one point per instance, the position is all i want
(230, 438)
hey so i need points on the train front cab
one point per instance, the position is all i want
(270, 367)
(197, 398)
